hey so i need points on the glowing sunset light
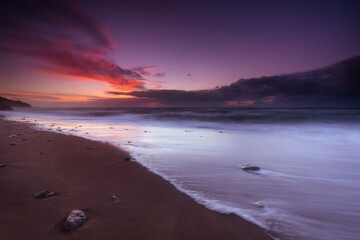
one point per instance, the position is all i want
(48, 96)
(238, 104)
(90, 49)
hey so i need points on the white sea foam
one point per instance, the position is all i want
(213, 205)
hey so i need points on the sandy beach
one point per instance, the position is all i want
(86, 174)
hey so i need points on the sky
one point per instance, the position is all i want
(143, 53)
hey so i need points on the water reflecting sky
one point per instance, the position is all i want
(309, 180)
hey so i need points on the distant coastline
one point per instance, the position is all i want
(7, 104)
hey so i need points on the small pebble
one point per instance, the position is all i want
(114, 197)
(250, 168)
(259, 204)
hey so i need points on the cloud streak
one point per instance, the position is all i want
(63, 39)
(146, 71)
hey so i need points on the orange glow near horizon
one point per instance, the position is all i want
(239, 103)
(57, 97)
(46, 97)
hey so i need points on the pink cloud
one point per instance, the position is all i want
(63, 39)
(146, 71)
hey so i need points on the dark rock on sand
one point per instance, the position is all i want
(74, 220)
(2, 165)
(127, 159)
(44, 194)
(250, 168)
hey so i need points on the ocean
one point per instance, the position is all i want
(308, 186)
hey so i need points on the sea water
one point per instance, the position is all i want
(308, 186)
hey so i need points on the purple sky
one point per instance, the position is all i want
(219, 42)
(183, 45)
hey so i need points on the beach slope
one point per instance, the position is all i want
(86, 174)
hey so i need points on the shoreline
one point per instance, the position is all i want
(148, 207)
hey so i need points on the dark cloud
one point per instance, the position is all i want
(172, 96)
(62, 39)
(336, 85)
(123, 102)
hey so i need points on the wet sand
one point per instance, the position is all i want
(86, 174)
